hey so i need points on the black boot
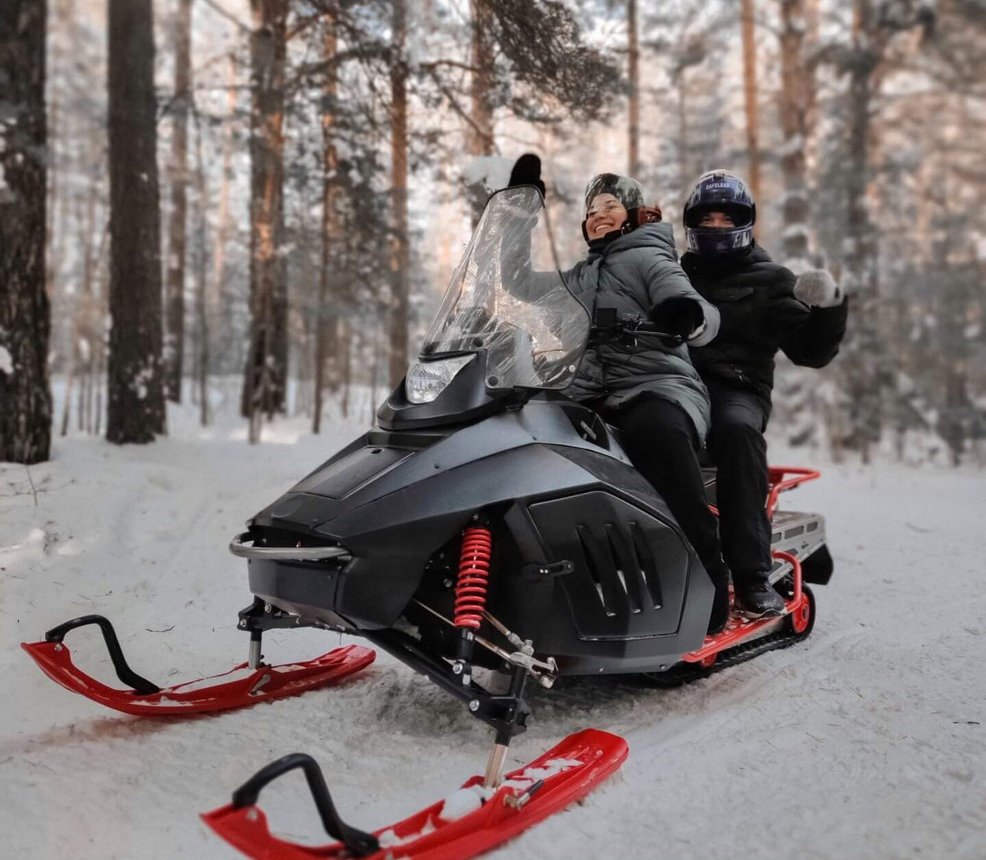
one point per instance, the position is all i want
(719, 574)
(757, 598)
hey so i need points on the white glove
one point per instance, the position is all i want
(818, 288)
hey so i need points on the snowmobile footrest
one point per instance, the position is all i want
(466, 823)
(237, 688)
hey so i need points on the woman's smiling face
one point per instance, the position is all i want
(605, 214)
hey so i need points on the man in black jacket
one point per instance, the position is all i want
(763, 308)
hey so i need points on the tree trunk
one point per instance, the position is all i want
(862, 364)
(400, 256)
(796, 99)
(136, 392)
(25, 319)
(479, 129)
(223, 220)
(794, 107)
(480, 136)
(683, 143)
(750, 98)
(633, 79)
(174, 341)
(200, 262)
(327, 314)
(264, 381)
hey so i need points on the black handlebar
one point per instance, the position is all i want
(607, 323)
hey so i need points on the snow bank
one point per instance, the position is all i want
(866, 741)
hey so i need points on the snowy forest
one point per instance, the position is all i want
(294, 183)
(225, 229)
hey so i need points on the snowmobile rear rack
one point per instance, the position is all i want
(243, 685)
(470, 821)
(784, 478)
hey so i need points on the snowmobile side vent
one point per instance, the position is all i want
(646, 563)
(603, 569)
(627, 568)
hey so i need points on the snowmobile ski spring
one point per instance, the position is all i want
(474, 574)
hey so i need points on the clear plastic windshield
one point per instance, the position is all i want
(508, 298)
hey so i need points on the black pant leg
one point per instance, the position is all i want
(661, 442)
(737, 446)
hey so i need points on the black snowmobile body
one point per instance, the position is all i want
(587, 563)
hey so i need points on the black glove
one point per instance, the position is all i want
(678, 315)
(527, 171)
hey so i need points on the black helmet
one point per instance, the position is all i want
(719, 191)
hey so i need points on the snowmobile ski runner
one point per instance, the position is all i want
(241, 686)
(468, 822)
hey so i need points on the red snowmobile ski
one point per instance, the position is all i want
(469, 822)
(243, 685)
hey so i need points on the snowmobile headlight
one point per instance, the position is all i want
(427, 379)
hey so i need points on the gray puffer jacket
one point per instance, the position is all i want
(633, 274)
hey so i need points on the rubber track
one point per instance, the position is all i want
(684, 673)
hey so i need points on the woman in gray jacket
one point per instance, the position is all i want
(650, 391)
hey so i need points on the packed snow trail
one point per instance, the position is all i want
(868, 740)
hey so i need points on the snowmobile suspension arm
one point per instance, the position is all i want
(505, 714)
(358, 843)
(543, 671)
(123, 671)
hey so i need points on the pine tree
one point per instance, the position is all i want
(136, 390)
(25, 398)
(265, 378)
(400, 281)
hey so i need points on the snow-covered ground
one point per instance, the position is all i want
(868, 740)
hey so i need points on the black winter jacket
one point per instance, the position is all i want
(759, 315)
(632, 274)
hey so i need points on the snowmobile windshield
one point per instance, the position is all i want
(508, 298)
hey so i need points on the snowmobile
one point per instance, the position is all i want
(487, 527)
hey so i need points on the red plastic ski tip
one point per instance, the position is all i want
(462, 825)
(217, 693)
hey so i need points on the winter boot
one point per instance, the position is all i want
(756, 597)
(719, 573)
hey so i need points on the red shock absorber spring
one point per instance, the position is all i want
(474, 573)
